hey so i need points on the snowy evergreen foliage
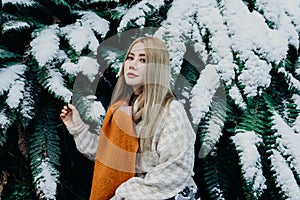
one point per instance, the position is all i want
(248, 146)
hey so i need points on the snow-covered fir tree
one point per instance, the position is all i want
(247, 50)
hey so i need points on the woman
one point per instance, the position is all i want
(146, 146)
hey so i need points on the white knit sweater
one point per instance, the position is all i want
(167, 169)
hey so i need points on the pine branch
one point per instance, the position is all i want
(45, 45)
(44, 150)
(8, 55)
(52, 80)
(246, 143)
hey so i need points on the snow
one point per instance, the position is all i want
(288, 142)
(203, 92)
(179, 24)
(27, 104)
(22, 2)
(290, 79)
(284, 176)
(89, 67)
(292, 8)
(237, 97)
(45, 46)
(9, 75)
(14, 25)
(15, 94)
(296, 127)
(138, 12)
(96, 23)
(255, 75)
(214, 130)
(4, 120)
(209, 18)
(246, 142)
(71, 68)
(80, 36)
(47, 179)
(55, 84)
(97, 1)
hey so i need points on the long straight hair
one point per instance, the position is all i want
(155, 94)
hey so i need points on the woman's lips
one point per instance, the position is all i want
(131, 75)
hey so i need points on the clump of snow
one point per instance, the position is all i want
(47, 179)
(246, 142)
(296, 99)
(284, 176)
(4, 120)
(15, 94)
(14, 25)
(9, 75)
(290, 79)
(20, 2)
(255, 75)
(45, 46)
(80, 35)
(55, 83)
(288, 141)
(96, 23)
(203, 92)
(237, 97)
(89, 67)
(138, 12)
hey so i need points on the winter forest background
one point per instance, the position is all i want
(247, 141)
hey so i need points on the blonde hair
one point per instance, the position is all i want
(156, 92)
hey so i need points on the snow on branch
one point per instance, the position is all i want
(96, 23)
(291, 80)
(246, 143)
(235, 94)
(275, 11)
(88, 66)
(28, 102)
(138, 13)
(9, 75)
(45, 46)
(178, 26)
(80, 35)
(97, 1)
(14, 25)
(249, 31)
(4, 120)
(214, 128)
(19, 2)
(46, 180)
(284, 176)
(15, 94)
(203, 92)
(209, 18)
(255, 75)
(288, 142)
(292, 9)
(296, 99)
(55, 84)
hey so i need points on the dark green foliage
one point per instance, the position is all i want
(36, 123)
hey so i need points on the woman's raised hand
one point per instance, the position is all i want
(70, 116)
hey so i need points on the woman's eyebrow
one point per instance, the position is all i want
(132, 54)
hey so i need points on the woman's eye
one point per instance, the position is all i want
(129, 58)
(143, 60)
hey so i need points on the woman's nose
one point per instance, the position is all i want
(133, 64)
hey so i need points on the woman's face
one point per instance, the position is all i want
(135, 66)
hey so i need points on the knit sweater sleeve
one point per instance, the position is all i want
(175, 147)
(86, 142)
